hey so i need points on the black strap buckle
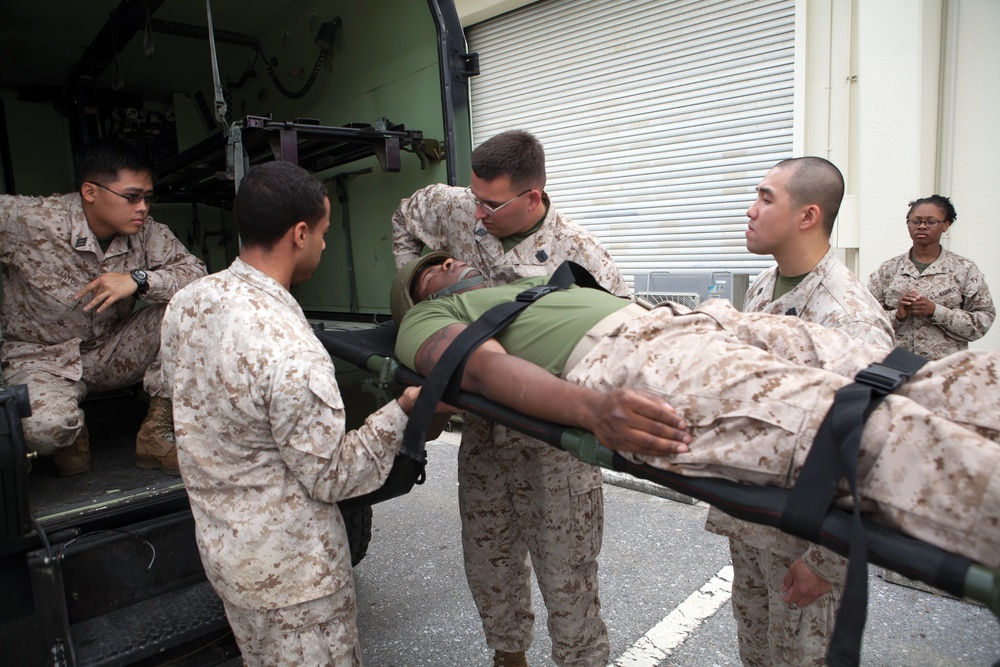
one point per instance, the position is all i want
(884, 379)
(535, 293)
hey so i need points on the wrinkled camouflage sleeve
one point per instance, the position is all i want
(827, 564)
(878, 283)
(6, 212)
(883, 285)
(598, 261)
(425, 219)
(975, 317)
(8, 215)
(307, 420)
(168, 263)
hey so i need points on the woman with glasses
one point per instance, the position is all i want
(939, 300)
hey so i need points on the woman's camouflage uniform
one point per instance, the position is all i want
(963, 308)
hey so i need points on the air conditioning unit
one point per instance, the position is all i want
(689, 288)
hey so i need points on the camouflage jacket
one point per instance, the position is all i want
(833, 297)
(444, 218)
(261, 440)
(963, 308)
(48, 254)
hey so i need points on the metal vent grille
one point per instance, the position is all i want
(689, 299)
(684, 103)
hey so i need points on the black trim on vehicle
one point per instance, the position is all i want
(455, 71)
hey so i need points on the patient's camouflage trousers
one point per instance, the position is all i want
(753, 390)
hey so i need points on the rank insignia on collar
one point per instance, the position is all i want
(541, 255)
(82, 241)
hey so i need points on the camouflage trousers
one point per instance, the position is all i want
(525, 504)
(754, 389)
(319, 632)
(129, 354)
(771, 632)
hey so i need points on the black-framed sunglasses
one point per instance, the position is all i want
(930, 224)
(132, 198)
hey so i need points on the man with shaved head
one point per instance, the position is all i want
(786, 591)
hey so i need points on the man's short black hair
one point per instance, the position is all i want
(516, 154)
(815, 180)
(102, 160)
(272, 198)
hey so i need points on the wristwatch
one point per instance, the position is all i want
(139, 276)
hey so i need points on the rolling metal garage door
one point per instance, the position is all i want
(658, 117)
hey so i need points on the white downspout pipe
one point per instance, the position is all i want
(949, 74)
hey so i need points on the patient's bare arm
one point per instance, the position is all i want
(623, 419)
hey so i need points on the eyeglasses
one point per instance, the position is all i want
(132, 198)
(491, 207)
(930, 224)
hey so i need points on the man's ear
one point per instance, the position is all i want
(534, 199)
(811, 217)
(88, 191)
(299, 231)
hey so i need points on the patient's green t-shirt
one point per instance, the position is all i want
(545, 332)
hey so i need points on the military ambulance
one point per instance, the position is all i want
(371, 97)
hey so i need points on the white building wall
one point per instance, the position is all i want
(905, 147)
(474, 11)
(825, 103)
(975, 178)
(878, 94)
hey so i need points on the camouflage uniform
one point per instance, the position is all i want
(264, 455)
(519, 496)
(963, 308)
(61, 352)
(753, 390)
(771, 632)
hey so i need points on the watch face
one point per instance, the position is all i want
(139, 276)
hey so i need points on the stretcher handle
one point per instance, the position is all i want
(887, 547)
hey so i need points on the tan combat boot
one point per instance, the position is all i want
(155, 446)
(74, 459)
(501, 659)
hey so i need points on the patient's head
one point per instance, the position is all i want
(432, 276)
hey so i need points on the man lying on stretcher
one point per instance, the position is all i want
(750, 389)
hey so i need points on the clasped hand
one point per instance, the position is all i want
(912, 303)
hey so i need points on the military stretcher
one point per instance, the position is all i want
(372, 350)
